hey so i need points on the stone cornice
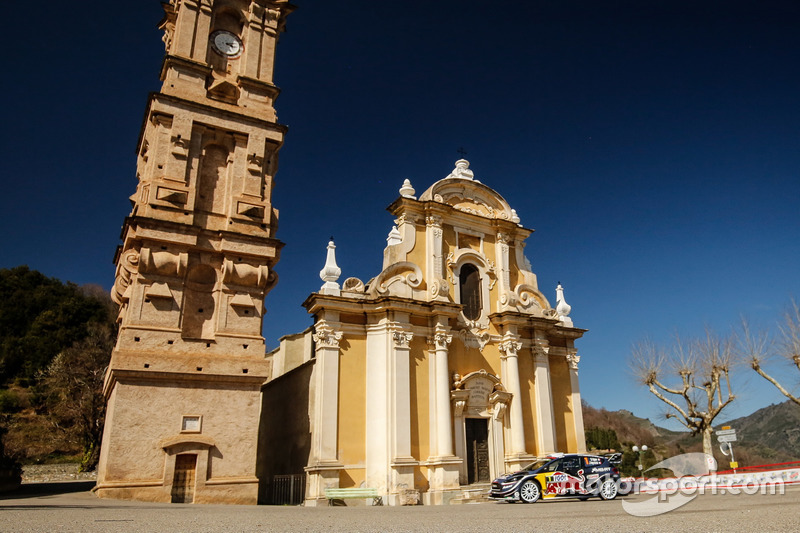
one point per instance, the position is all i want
(316, 302)
(192, 232)
(246, 381)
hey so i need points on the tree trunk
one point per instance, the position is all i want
(707, 449)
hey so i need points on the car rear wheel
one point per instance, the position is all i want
(529, 491)
(609, 489)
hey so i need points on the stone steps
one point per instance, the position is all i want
(475, 493)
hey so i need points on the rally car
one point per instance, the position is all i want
(564, 476)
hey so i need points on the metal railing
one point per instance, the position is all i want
(288, 490)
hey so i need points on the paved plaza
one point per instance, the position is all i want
(51, 508)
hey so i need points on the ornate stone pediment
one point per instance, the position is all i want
(462, 192)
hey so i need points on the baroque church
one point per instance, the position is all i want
(446, 369)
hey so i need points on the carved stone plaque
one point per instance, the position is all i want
(479, 390)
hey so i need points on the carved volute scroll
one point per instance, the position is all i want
(127, 267)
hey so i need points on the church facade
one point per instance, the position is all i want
(447, 369)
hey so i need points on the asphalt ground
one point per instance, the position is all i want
(70, 507)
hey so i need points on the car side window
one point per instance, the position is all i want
(570, 465)
(552, 467)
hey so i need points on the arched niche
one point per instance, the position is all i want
(199, 304)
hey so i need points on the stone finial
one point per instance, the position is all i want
(562, 307)
(394, 237)
(514, 216)
(330, 272)
(407, 191)
(462, 170)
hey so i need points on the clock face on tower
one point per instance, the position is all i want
(227, 44)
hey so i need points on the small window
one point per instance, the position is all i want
(191, 424)
(470, 289)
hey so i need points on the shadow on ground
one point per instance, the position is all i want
(34, 490)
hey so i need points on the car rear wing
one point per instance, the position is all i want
(614, 458)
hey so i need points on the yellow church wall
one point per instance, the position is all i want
(417, 253)
(562, 410)
(419, 373)
(352, 413)
(465, 360)
(528, 399)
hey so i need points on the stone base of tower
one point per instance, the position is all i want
(175, 436)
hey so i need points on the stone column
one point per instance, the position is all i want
(510, 347)
(545, 420)
(577, 410)
(323, 469)
(444, 435)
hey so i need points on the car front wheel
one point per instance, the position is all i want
(608, 490)
(529, 491)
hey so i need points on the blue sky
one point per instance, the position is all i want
(654, 146)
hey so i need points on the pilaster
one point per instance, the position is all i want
(577, 410)
(507, 299)
(545, 419)
(324, 466)
(434, 271)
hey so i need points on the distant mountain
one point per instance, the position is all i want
(772, 432)
(769, 435)
(628, 427)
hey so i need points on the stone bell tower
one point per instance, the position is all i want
(195, 264)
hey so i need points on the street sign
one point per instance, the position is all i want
(734, 464)
(726, 438)
(726, 432)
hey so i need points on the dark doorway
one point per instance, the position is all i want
(183, 482)
(477, 430)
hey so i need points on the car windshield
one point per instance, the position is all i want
(537, 464)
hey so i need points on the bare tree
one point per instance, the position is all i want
(692, 378)
(757, 347)
(74, 386)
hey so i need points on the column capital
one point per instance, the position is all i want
(540, 352)
(433, 220)
(573, 359)
(325, 336)
(401, 338)
(510, 345)
(440, 339)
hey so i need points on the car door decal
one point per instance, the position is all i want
(560, 483)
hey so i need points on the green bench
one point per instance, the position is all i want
(355, 492)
